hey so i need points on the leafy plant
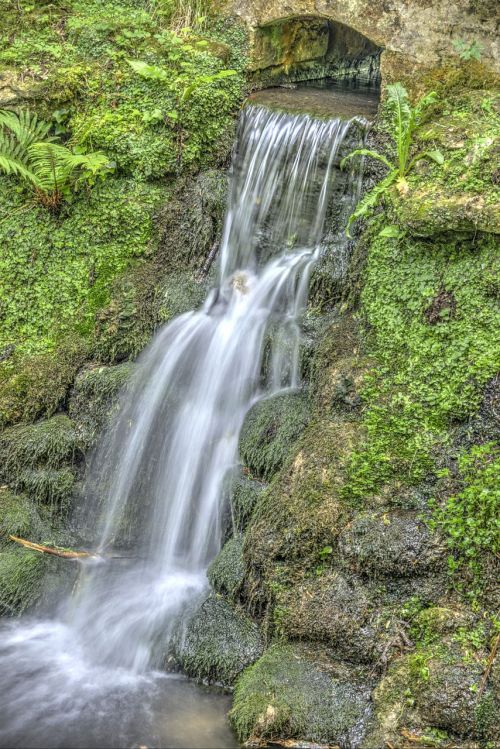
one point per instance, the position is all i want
(156, 73)
(403, 121)
(468, 50)
(470, 518)
(29, 152)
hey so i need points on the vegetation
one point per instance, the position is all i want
(27, 151)
(402, 121)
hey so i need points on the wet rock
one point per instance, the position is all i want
(390, 543)
(227, 571)
(270, 429)
(47, 444)
(335, 610)
(94, 398)
(217, 642)
(293, 692)
(435, 687)
(245, 493)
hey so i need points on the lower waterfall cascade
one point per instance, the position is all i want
(158, 483)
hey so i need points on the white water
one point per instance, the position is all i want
(160, 473)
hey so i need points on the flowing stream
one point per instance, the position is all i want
(91, 675)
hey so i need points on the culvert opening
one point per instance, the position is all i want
(301, 49)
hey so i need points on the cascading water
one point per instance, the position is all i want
(156, 485)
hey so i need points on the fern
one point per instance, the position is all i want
(28, 152)
(26, 127)
(13, 158)
(404, 119)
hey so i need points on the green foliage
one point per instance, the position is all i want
(468, 50)
(428, 374)
(403, 119)
(27, 151)
(469, 519)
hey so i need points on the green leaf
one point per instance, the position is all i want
(392, 232)
(150, 72)
(369, 153)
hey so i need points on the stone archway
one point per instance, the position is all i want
(413, 35)
(301, 48)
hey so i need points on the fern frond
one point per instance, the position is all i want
(399, 108)
(366, 152)
(54, 165)
(25, 126)
(13, 158)
(371, 199)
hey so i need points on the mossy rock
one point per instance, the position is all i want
(19, 517)
(217, 643)
(21, 572)
(270, 429)
(291, 693)
(436, 687)
(180, 293)
(94, 397)
(430, 211)
(245, 493)
(301, 512)
(336, 610)
(49, 485)
(227, 571)
(191, 221)
(395, 543)
(46, 444)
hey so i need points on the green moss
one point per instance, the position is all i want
(47, 485)
(20, 574)
(226, 573)
(47, 444)
(18, 517)
(94, 396)
(244, 496)
(270, 429)
(428, 373)
(469, 518)
(217, 642)
(286, 695)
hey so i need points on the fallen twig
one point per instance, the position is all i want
(489, 666)
(55, 551)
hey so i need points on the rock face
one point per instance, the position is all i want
(412, 34)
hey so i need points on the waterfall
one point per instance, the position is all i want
(156, 485)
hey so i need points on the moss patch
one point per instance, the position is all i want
(227, 571)
(287, 694)
(270, 429)
(217, 643)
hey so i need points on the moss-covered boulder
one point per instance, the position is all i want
(430, 211)
(21, 573)
(245, 493)
(301, 512)
(226, 573)
(47, 444)
(395, 543)
(293, 693)
(191, 221)
(18, 517)
(179, 293)
(94, 397)
(217, 642)
(270, 429)
(336, 610)
(438, 689)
